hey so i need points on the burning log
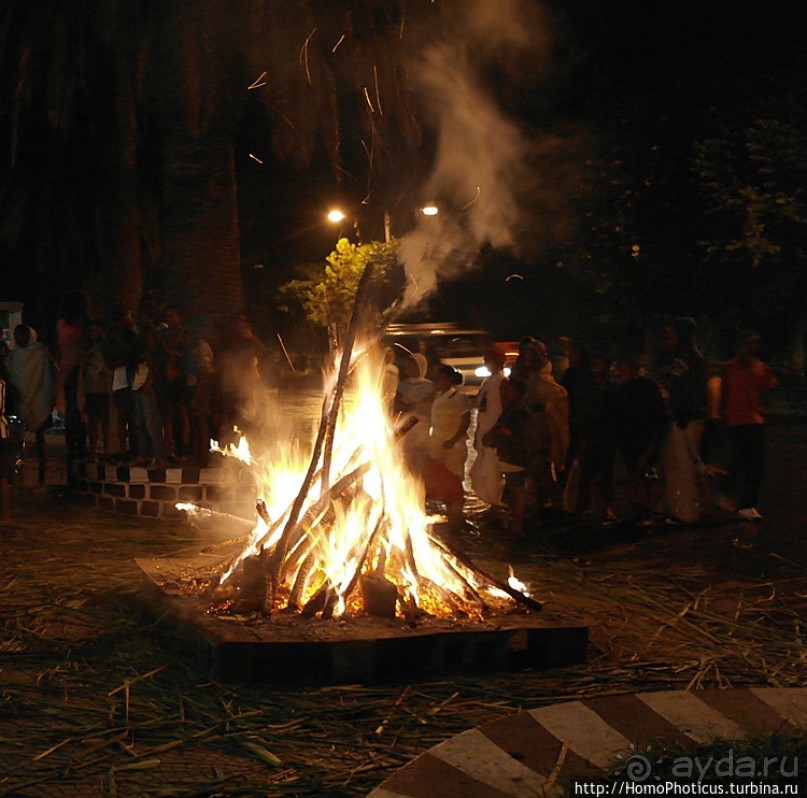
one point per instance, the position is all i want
(323, 600)
(408, 607)
(260, 507)
(252, 584)
(321, 511)
(379, 595)
(318, 511)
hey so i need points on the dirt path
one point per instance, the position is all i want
(95, 699)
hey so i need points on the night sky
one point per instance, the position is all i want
(619, 82)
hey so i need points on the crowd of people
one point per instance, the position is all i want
(555, 436)
(565, 428)
(142, 390)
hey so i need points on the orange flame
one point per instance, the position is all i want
(378, 524)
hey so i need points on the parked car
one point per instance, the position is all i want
(460, 348)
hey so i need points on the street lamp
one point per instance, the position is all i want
(336, 215)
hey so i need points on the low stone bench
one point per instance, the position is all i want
(153, 492)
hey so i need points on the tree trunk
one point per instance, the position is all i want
(119, 246)
(202, 263)
(201, 253)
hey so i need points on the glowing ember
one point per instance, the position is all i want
(358, 539)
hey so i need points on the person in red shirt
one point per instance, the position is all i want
(745, 380)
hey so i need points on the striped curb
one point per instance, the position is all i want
(517, 756)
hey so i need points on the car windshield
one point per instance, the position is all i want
(470, 345)
(446, 344)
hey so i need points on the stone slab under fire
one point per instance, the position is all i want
(292, 649)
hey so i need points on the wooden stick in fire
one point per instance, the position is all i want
(322, 512)
(344, 368)
(528, 601)
(328, 421)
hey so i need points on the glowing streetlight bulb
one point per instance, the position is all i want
(335, 215)
(430, 210)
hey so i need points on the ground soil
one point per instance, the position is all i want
(96, 699)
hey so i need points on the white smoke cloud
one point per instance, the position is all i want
(480, 153)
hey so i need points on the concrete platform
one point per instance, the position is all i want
(526, 754)
(291, 649)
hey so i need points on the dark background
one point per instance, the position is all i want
(641, 224)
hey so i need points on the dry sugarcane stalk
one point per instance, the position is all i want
(275, 562)
(320, 509)
(279, 553)
(260, 507)
(300, 581)
(344, 368)
(223, 544)
(511, 591)
(357, 573)
(291, 531)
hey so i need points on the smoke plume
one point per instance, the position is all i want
(480, 154)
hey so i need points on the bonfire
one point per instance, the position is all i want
(345, 532)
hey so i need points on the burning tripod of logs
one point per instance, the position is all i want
(282, 567)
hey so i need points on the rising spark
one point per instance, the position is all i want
(258, 82)
(255, 158)
(341, 39)
(369, 102)
(377, 91)
(304, 55)
(478, 192)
